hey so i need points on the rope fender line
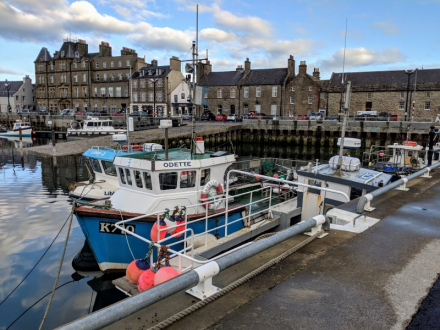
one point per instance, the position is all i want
(169, 321)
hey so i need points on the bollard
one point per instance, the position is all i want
(431, 144)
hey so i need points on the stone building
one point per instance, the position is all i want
(21, 95)
(386, 91)
(73, 78)
(267, 91)
(180, 102)
(152, 86)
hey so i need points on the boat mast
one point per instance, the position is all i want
(195, 57)
(344, 124)
(127, 117)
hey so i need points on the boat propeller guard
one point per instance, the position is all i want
(205, 191)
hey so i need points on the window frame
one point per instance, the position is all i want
(274, 91)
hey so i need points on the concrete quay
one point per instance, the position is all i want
(177, 136)
(372, 280)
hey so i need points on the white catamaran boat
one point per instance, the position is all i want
(93, 126)
(26, 129)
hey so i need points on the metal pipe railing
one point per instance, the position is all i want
(126, 307)
(368, 197)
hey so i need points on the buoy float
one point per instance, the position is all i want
(135, 270)
(164, 274)
(146, 280)
(154, 231)
(135, 147)
(275, 175)
(257, 178)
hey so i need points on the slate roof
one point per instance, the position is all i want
(153, 74)
(69, 49)
(387, 77)
(265, 77)
(44, 55)
(226, 78)
(15, 86)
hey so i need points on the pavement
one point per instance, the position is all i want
(373, 280)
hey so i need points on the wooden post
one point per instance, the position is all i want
(166, 143)
(20, 134)
(54, 150)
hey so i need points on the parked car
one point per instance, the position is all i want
(24, 112)
(135, 114)
(79, 113)
(316, 116)
(332, 117)
(221, 118)
(302, 117)
(258, 115)
(65, 111)
(117, 114)
(187, 116)
(207, 115)
(233, 117)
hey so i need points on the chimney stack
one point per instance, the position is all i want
(302, 68)
(104, 49)
(175, 64)
(316, 73)
(239, 67)
(247, 66)
(154, 63)
(291, 66)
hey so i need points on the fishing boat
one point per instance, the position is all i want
(25, 127)
(93, 126)
(401, 159)
(103, 181)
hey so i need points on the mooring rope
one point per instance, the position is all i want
(59, 268)
(232, 286)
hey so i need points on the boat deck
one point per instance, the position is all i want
(373, 280)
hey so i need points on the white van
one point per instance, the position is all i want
(315, 116)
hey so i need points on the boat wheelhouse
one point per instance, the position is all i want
(93, 126)
(25, 127)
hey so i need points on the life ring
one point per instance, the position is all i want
(135, 147)
(205, 191)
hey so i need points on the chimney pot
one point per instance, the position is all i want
(291, 57)
(247, 58)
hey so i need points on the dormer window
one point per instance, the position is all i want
(76, 54)
(63, 53)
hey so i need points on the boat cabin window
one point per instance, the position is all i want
(121, 174)
(90, 124)
(187, 179)
(95, 165)
(109, 168)
(147, 180)
(204, 178)
(138, 179)
(410, 153)
(128, 174)
(168, 180)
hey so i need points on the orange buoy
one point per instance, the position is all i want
(257, 178)
(275, 175)
(164, 274)
(146, 280)
(135, 270)
(154, 231)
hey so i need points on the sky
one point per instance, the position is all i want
(381, 34)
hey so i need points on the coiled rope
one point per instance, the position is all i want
(232, 286)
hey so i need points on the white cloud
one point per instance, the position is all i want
(9, 71)
(217, 35)
(387, 28)
(360, 57)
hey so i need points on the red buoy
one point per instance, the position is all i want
(154, 231)
(135, 270)
(146, 280)
(164, 274)
(257, 178)
(275, 175)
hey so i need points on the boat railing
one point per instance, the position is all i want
(246, 218)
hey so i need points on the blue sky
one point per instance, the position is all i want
(382, 35)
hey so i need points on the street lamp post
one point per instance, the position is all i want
(8, 87)
(409, 73)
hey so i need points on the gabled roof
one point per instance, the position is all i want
(151, 72)
(387, 77)
(15, 86)
(44, 55)
(69, 49)
(226, 78)
(265, 77)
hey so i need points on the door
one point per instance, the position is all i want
(368, 106)
(232, 109)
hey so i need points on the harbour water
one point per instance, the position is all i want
(34, 212)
